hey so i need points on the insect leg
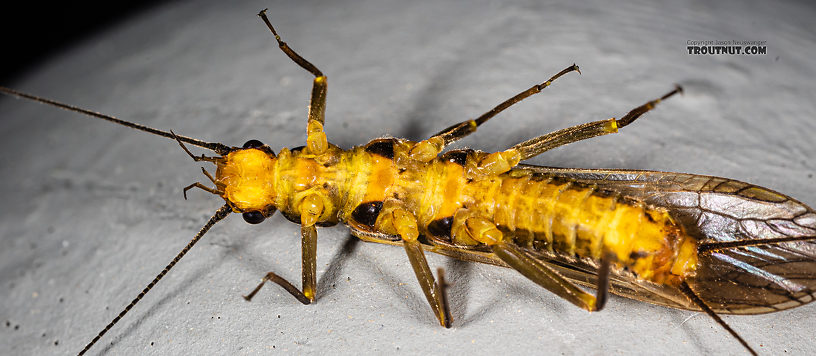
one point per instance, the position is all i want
(272, 277)
(308, 268)
(398, 221)
(316, 140)
(308, 246)
(686, 289)
(500, 162)
(538, 145)
(428, 149)
(433, 292)
(485, 231)
(443, 293)
(311, 207)
(602, 287)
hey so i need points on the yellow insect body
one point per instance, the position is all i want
(248, 179)
(541, 213)
(567, 218)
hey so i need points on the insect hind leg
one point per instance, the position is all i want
(686, 289)
(553, 281)
(487, 232)
(541, 144)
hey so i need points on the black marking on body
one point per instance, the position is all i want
(253, 217)
(367, 213)
(441, 227)
(258, 145)
(253, 144)
(456, 156)
(605, 193)
(382, 147)
(634, 255)
(522, 237)
(539, 244)
(295, 218)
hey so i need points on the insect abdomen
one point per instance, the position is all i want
(541, 213)
(564, 217)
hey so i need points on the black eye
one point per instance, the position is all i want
(253, 144)
(253, 217)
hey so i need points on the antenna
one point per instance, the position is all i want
(219, 148)
(218, 216)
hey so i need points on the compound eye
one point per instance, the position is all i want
(253, 144)
(253, 217)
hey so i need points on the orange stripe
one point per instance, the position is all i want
(381, 177)
(453, 183)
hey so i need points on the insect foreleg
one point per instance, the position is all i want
(315, 137)
(311, 206)
(428, 149)
(308, 248)
(308, 266)
(273, 277)
(541, 144)
(398, 221)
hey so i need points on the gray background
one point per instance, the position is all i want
(93, 211)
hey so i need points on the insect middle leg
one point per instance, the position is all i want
(394, 219)
(316, 141)
(428, 149)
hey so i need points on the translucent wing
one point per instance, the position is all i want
(757, 247)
